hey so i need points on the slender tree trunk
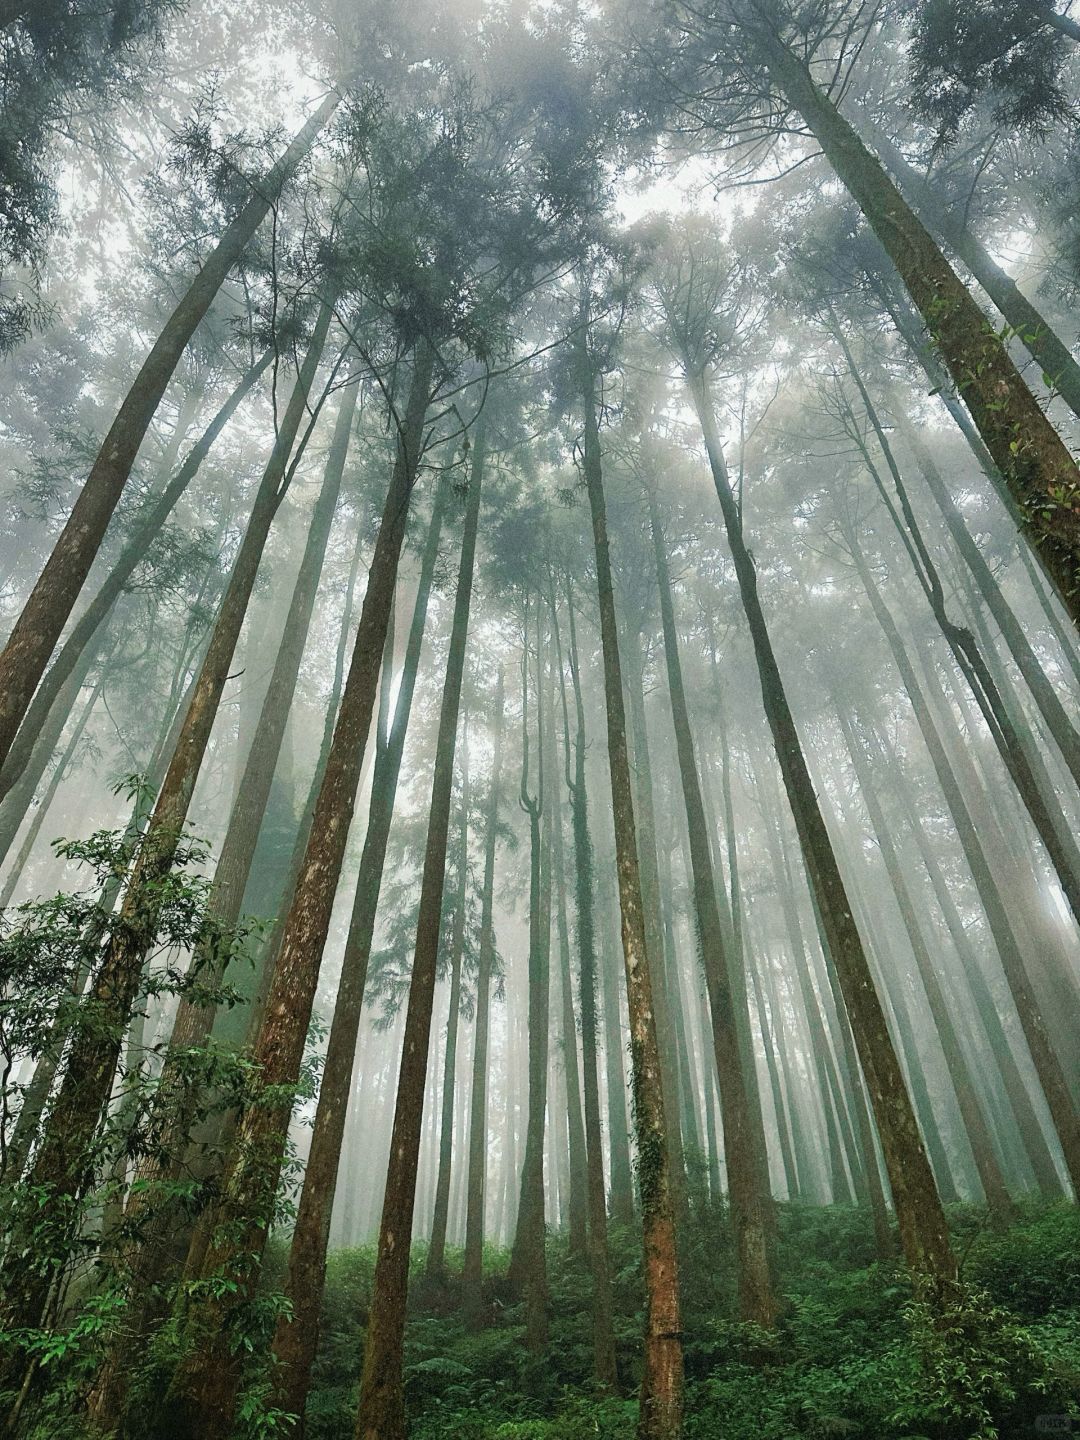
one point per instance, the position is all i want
(1030, 327)
(992, 1037)
(296, 1338)
(649, 870)
(381, 1414)
(1036, 466)
(1063, 1108)
(528, 1262)
(155, 1247)
(991, 1178)
(62, 1169)
(604, 1363)
(923, 1230)
(1042, 690)
(45, 613)
(473, 1267)
(16, 804)
(621, 1200)
(1043, 809)
(89, 626)
(820, 1054)
(59, 771)
(662, 1380)
(874, 1189)
(744, 1138)
(791, 1181)
(436, 1256)
(578, 1178)
(202, 1396)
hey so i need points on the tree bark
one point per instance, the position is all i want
(155, 1246)
(577, 1237)
(62, 1169)
(660, 1416)
(436, 1256)
(994, 1040)
(1036, 466)
(381, 1413)
(45, 613)
(1032, 330)
(528, 1260)
(1062, 729)
(1002, 1210)
(202, 1396)
(296, 1339)
(604, 1363)
(1043, 807)
(744, 1137)
(649, 870)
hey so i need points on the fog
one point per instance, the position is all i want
(539, 752)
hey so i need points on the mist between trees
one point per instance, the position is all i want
(539, 746)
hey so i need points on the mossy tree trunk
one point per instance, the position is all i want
(660, 1416)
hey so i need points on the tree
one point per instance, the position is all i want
(472, 1265)
(1035, 464)
(701, 308)
(297, 1334)
(381, 1414)
(35, 633)
(204, 1388)
(661, 1388)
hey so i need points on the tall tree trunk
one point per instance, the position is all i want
(16, 804)
(202, 1396)
(436, 1256)
(820, 1053)
(1050, 707)
(577, 1201)
(923, 1230)
(604, 1363)
(45, 613)
(1043, 809)
(1036, 466)
(992, 1037)
(88, 628)
(1063, 1108)
(473, 1267)
(621, 1200)
(528, 1261)
(662, 1380)
(155, 1247)
(744, 1136)
(991, 1178)
(60, 769)
(62, 1168)
(649, 871)
(296, 1337)
(791, 1179)
(1031, 328)
(381, 1414)
(874, 1189)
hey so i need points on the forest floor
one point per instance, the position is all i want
(854, 1357)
